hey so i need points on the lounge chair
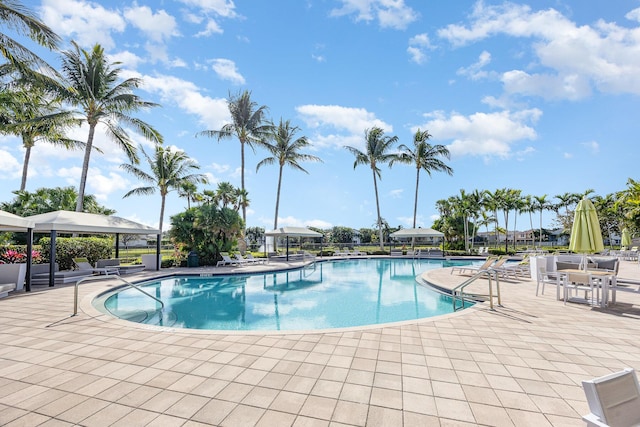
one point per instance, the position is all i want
(122, 269)
(5, 288)
(240, 260)
(474, 268)
(614, 399)
(82, 264)
(250, 257)
(40, 275)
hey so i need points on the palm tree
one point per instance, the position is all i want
(425, 157)
(377, 152)
(19, 19)
(30, 113)
(541, 204)
(169, 170)
(285, 151)
(248, 124)
(226, 194)
(92, 86)
(189, 191)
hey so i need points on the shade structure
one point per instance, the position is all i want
(87, 223)
(416, 232)
(626, 237)
(82, 222)
(292, 232)
(586, 236)
(11, 222)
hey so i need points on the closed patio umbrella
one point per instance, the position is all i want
(626, 237)
(586, 236)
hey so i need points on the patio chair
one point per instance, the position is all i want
(226, 260)
(545, 277)
(474, 268)
(614, 399)
(238, 257)
(83, 264)
(581, 282)
(250, 257)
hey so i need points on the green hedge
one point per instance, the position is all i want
(68, 248)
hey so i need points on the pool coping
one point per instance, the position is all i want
(86, 305)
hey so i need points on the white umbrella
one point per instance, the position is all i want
(292, 231)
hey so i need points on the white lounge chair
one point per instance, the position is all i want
(474, 268)
(251, 258)
(226, 260)
(614, 399)
(83, 264)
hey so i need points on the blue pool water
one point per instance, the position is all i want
(332, 294)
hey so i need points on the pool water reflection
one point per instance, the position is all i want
(332, 294)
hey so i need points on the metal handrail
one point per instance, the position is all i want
(459, 290)
(108, 276)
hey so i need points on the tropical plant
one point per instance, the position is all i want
(43, 200)
(19, 19)
(169, 170)
(425, 157)
(29, 112)
(285, 151)
(376, 152)
(541, 204)
(91, 85)
(208, 230)
(188, 190)
(248, 124)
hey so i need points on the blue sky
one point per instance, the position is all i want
(539, 96)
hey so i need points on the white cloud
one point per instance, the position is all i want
(103, 185)
(297, 222)
(603, 55)
(220, 169)
(224, 8)
(475, 71)
(396, 194)
(212, 112)
(87, 23)
(10, 166)
(482, 134)
(417, 46)
(212, 27)
(226, 69)
(592, 146)
(389, 13)
(352, 121)
(158, 26)
(127, 59)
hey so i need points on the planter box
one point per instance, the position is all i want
(13, 273)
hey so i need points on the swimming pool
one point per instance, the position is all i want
(325, 295)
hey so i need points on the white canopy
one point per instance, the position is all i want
(81, 222)
(416, 232)
(293, 232)
(11, 222)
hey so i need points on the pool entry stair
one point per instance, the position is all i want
(458, 293)
(109, 276)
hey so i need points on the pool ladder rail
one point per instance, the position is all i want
(108, 276)
(458, 292)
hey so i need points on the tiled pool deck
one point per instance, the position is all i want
(520, 365)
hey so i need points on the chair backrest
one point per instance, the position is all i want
(82, 264)
(615, 398)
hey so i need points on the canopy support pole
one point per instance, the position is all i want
(52, 259)
(27, 285)
(117, 245)
(158, 259)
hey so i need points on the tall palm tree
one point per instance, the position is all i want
(189, 191)
(30, 113)
(285, 151)
(168, 171)
(541, 204)
(91, 85)
(248, 124)
(19, 19)
(377, 152)
(426, 157)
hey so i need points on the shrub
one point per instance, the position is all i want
(12, 254)
(68, 248)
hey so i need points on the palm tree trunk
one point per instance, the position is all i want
(162, 203)
(415, 208)
(25, 164)
(375, 187)
(244, 208)
(85, 169)
(275, 221)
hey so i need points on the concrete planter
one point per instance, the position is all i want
(13, 273)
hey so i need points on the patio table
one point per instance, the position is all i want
(607, 280)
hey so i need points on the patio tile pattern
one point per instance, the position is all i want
(518, 365)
